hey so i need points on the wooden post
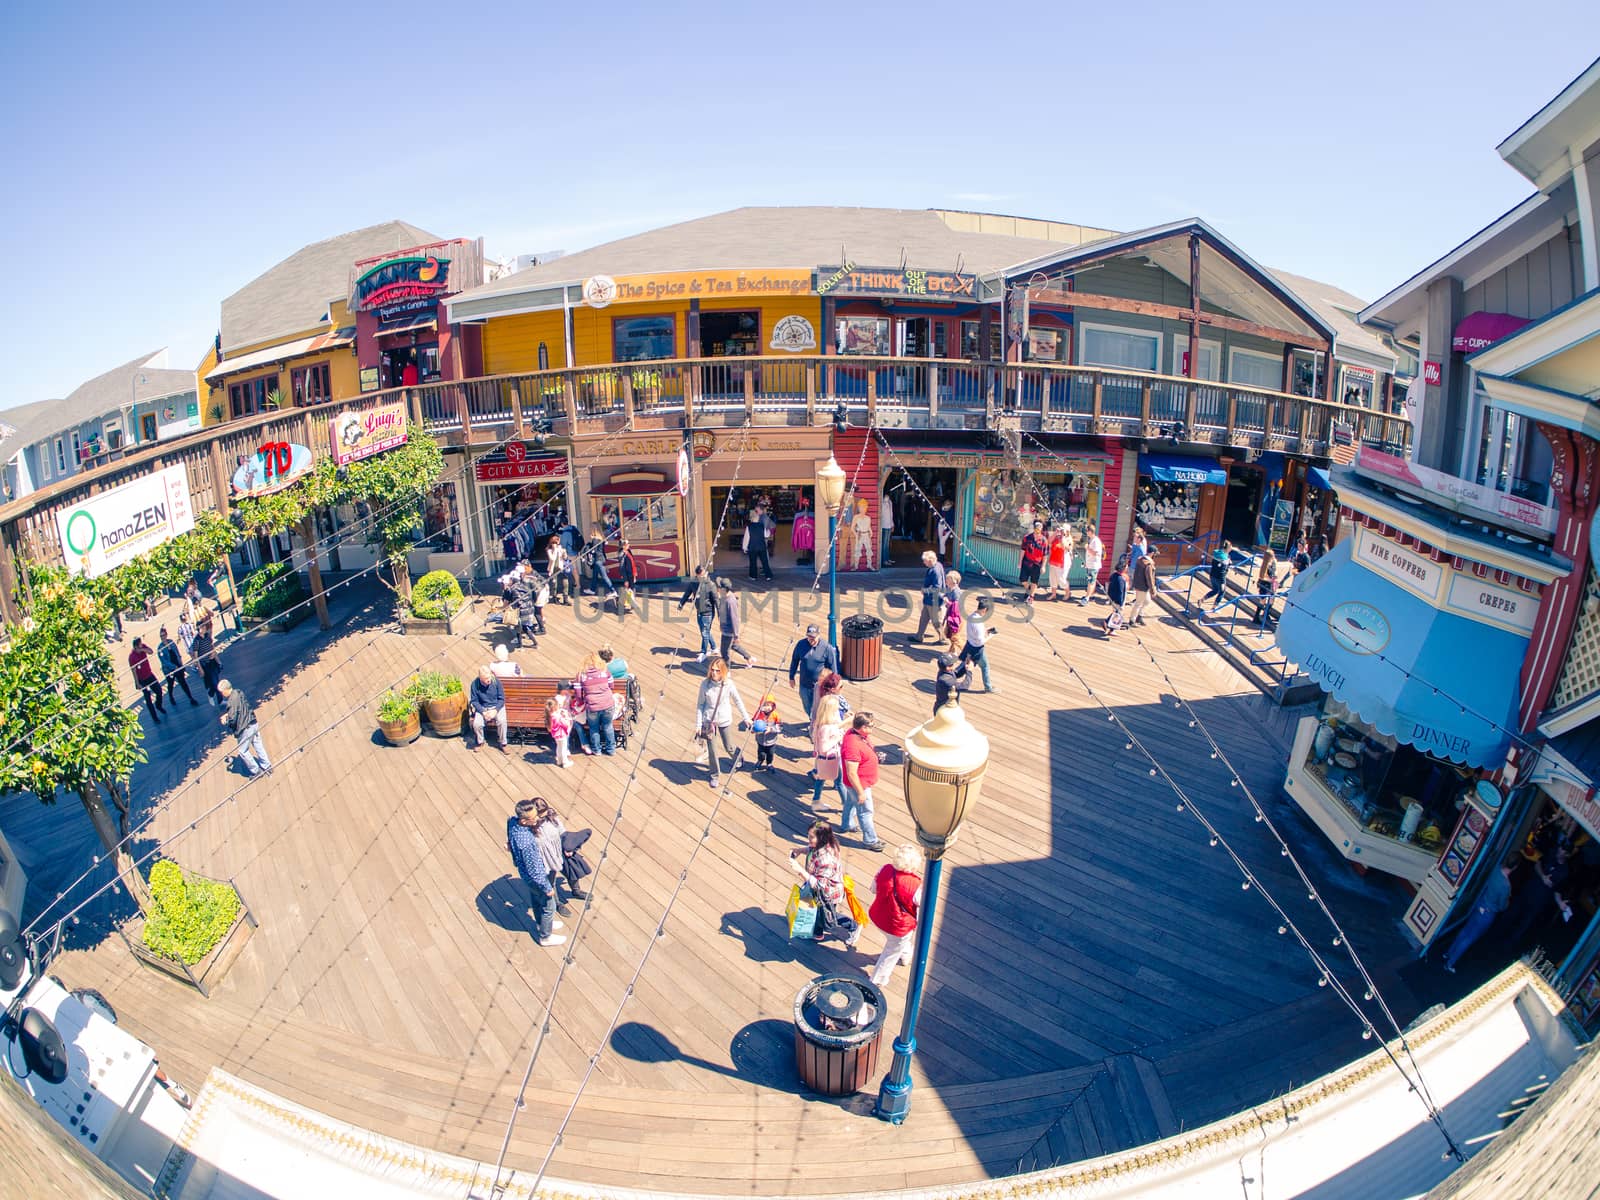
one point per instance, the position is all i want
(626, 377)
(569, 397)
(319, 600)
(933, 395)
(691, 389)
(516, 410)
(219, 479)
(465, 401)
(1097, 404)
(748, 370)
(9, 607)
(1145, 390)
(1194, 330)
(1233, 414)
(872, 394)
(811, 392)
(414, 406)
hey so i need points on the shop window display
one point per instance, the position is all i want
(1047, 345)
(636, 339)
(1168, 510)
(1008, 502)
(441, 523)
(863, 335)
(647, 518)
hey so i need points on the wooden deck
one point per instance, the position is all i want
(1099, 976)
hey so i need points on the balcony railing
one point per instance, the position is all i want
(903, 393)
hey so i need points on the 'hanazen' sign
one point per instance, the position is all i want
(105, 531)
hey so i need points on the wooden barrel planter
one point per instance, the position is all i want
(402, 733)
(836, 1051)
(445, 715)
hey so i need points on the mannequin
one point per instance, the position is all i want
(861, 529)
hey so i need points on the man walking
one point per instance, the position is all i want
(812, 659)
(728, 621)
(978, 635)
(523, 594)
(241, 718)
(704, 597)
(487, 702)
(1033, 551)
(1144, 585)
(1094, 557)
(1492, 901)
(541, 881)
(932, 597)
(859, 759)
(947, 681)
(145, 676)
(172, 665)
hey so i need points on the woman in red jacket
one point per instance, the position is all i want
(897, 893)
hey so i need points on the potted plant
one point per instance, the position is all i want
(398, 718)
(443, 701)
(435, 599)
(273, 596)
(195, 929)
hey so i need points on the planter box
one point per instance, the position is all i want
(402, 733)
(281, 623)
(208, 972)
(416, 625)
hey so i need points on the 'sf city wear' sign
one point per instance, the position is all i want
(108, 530)
(361, 435)
(518, 467)
(851, 280)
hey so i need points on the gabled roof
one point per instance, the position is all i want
(1339, 309)
(118, 388)
(1539, 148)
(293, 297)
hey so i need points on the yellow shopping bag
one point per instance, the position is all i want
(857, 909)
(802, 914)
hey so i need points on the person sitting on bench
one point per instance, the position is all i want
(487, 702)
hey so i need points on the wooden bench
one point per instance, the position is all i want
(526, 696)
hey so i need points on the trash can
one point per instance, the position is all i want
(861, 651)
(838, 1025)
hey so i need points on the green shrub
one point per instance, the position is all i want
(273, 589)
(434, 685)
(397, 706)
(436, 596)
(190, 915)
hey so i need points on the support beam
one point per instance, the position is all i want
(1172, 312)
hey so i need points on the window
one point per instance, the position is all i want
(1248, 368)
(971, 339)
(1356, 385)
(863, 335)
(1210, 365)
(941, 340)
(61, 456)
(1167, 509)
(441, 520)
(250, 397)
(43, 451)
(310, 385)
(1305, 373)
(77, 447)
(1133, 349)
(637, 338)
(1047, 344)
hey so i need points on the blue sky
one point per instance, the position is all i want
(162, 156)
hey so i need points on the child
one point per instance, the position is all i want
(541, 597)
(767, 729)
(507, 599)
(580, 715)
(559, 718)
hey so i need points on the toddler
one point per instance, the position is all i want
(559, 718)
(767, 728)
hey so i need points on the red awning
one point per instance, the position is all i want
(1482, 329)
(654, 487)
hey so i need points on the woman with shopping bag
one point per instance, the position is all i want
(820, 866)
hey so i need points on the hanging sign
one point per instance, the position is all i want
(362, 434)
(1432, 372)
(851, 280)
(683, 473)
(520, 467)
(273, 467)
(106, 530)
(402, 282)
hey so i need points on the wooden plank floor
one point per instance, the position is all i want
(1099, 978)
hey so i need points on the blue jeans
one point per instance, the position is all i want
(544, 909)
(251, 751)
(708, 644)
(808, 693)
(602, 737)
(1471, 930)
(979, 655)
(853, 807)
(816, 790)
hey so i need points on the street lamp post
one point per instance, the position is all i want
(945, 763)
(830, 495)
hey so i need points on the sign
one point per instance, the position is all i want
(1433, 373)
(405, 279)
(599, 291)
(1504, 607)
(1480, 329)
(369, 379)
(516, 451)
(273, 467)
(176, 418)
(1419, 575)
(1456, 493)
(793, 334)
(851, 280)
(704, 443)
(105, 531)
(535, 466)
(684, 473)
(362, 434)
(1282, 524)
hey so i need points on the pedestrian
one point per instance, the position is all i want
(951, 671)
(616, 666)
(1301, 559)
(755, 544)
(979, 632)
(768, 726)
(1531, 904)
(145, 676)
(1034, 548)
(858, 759)
(627, 575)
(811, 659)
(946, 527)
(1221, 560)
(827, 736)
(703, 596)
(932, 596)
(573, 864)
(594, 555)
(1492, 901)
(508, 597)
(205, 653)
(950, 621)
(1320, 548)
(172, 665)
(728, 622)
(241, 718)
(1058, 563)
(502, 665)
(555, 565)
(535, 872)
(1266, 589)
(594, 682)
(1144, 585)
(541, 597)
(1117, 594)
(192, 602)
(558, 720)
(547, 831)
(486, 701)
(1139, 547)
(714, 708)
(820, 866)
(885, 527)
(896, 897)
(1094, 557)
(523, 594)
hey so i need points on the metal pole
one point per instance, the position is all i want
(833, 578)
(894, 1096)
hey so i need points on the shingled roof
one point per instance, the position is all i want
(106, 393)
(293, 296)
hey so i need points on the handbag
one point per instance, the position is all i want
(857, 910)
(827, 768)
(802, 912)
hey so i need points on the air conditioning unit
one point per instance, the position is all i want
(538, 258)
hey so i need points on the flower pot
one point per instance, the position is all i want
(444, 716)
(402, 733)
(208, 972)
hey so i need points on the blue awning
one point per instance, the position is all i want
(1176, 468)
(1319, 479)
(1446, 684)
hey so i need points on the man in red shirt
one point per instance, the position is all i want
(1033, 548)
(860, 762)
(145, 676)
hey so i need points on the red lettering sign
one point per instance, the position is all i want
(1432, 373)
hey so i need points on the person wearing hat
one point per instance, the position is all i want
(811, 660)
(948, 681)
(728, 622)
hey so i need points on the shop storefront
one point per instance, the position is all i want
(778, 470)
(1419, 656)
(522, 498)
(645, 507)
(1179, 504)
(403, 334)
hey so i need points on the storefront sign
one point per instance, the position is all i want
(851, 280)
(1579, 801)
(794, 334)
(684, 473)
(599, 291)
(1505, 607)
(1077, 464)
(361, 435)
(107, 530)
(525, 466)
(402, 279)
(1455, 492)
(369, 379)
(273, 467)
(175, 419)
(1418, 575)
(1433, 373)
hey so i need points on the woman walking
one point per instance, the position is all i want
(1267, 587)
(205, 653)
(932, 595)
(820, 865)
(556, 565)
(896, 895)
(714, 708)
(827, 736)
(1058, 559)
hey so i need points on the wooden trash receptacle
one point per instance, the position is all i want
(838, 1027)
(861, 648)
